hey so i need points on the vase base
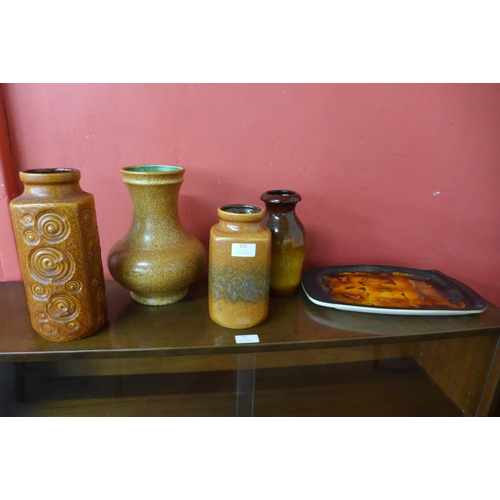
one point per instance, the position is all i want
(160, 299)
(283, 291)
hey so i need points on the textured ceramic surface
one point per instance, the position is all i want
(59, 253)
(239, 267)
(288, 240)
(157, 259)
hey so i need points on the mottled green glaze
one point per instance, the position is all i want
(157, 259)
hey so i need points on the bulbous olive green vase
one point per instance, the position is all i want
(157, 259)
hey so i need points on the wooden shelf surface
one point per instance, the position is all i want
(185, 328)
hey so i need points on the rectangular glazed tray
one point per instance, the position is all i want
(390, 290)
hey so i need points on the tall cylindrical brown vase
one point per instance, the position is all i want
(57, 239)
(288, 240)
(238, 267)
(157, 259)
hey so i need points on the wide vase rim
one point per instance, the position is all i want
(281, 196)
(49, 175)
(239, 212)
(152, 169)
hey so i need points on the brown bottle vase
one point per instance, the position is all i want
(239, 262)
(60, 255)
(288, 240)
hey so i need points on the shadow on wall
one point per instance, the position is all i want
(197, 209)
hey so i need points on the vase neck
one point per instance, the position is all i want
(280, 208)
(240, 218)
(51, 183)
(237, 227)
(155, 207)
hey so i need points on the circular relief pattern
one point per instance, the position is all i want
(63, 308)
(101, 319)
(47, 328)
(52, 226)
(91, 246)
(101, 299)
(51, 265)
(87, 217)
(31, 237)
(101, 295)
(72, 326)
(73, 286)
(42, 316)
(40, 292)
(28, 219)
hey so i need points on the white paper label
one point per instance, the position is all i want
(243, 249)
(246, 339)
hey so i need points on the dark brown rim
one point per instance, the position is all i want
(241, 209)
(281, 196)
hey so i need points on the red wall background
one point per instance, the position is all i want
(395, 174)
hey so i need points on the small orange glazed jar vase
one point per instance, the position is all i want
(239, 265)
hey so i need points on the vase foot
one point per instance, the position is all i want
(160, 299)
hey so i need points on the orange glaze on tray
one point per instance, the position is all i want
(389, 290)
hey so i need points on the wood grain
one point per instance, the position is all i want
(461, 368)
(457, 355)
(184, 328)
